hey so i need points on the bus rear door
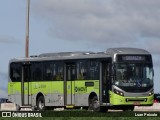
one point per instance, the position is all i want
(70, 76)
(25, 84)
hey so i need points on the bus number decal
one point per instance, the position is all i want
(36, 86)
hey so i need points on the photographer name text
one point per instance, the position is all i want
(146, 114)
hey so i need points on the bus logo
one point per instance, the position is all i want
(6, 114)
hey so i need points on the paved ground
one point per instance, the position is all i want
(12, 107)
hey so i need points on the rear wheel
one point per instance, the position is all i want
(103, 109)
(41, 103)
(94, 104)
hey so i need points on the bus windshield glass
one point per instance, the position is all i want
(133, 74)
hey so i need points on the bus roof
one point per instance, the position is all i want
(62, 56)
(136, 51)
(83, 54)
(65, 54)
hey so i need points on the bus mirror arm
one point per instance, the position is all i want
(113, 71)
(153, 72)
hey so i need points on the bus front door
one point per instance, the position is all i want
(25, 84)
(69, 84)
(105, 80)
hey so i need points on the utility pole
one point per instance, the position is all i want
(27, 29)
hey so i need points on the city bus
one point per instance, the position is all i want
(118, 78)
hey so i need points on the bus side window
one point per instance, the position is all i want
(57, 71)
(47, 70)
(48, 74)
(88, 69)
(15, 72)
(59, 76)
(80, 76)
(37, 74)
(37, 71)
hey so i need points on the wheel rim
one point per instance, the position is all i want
(41, 104)
(95, 104)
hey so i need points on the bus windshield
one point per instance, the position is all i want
(133, 74)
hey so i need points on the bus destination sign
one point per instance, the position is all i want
(136, 58)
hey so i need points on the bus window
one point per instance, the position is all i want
(88, 70)
(93, 69)
(48, 70)
(37, 71)
(15, 72)
(58, 71)
(81, 70)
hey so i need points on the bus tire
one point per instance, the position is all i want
(103, 109)
(131, 108)
(94, 104)
(128, 108)
(41, 103)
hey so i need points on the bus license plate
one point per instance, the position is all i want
(136, 103)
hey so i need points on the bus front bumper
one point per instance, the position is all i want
(124, 100)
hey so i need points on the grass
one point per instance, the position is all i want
(84, 118)
(87, 115)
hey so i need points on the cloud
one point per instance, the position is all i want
(8, 40)
(101, 21)
(153, 45)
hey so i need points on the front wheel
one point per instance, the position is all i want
(128, 108)
(94, 104)
(41, 103)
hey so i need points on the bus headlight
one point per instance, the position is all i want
(151, 92)
(118, 92)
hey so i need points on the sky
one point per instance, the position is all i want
(78, 25)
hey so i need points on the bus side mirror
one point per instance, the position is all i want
(112, 72)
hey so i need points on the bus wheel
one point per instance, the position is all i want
(103, 109)
(129, 108)
(41, 103)
(94, 104)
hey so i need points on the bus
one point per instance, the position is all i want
(118, 78)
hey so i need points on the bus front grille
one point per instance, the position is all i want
(136, 100)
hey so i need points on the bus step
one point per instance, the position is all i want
(59, 109)
(69, 106)
(26, 108)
